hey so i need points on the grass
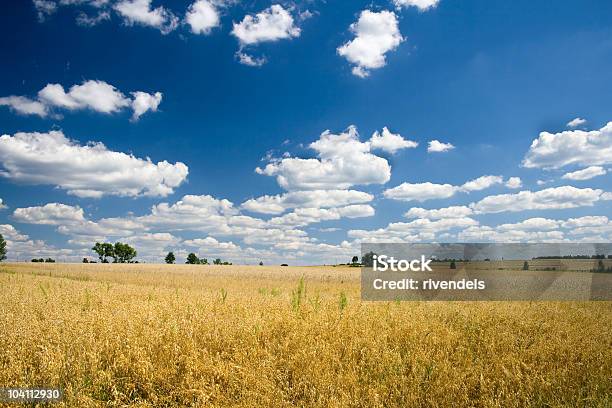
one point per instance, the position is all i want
(153, 335)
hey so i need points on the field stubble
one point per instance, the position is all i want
(177, 335)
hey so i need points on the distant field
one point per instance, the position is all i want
(178, 335)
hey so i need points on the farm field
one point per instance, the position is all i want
(194, 335)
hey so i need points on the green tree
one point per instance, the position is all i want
(2, 248)
(123, 253)
(204, 261)
(217, 261)
(170, 258)
(260, 263)
(453, 265)
(525, 266)
(192, 259)
(355, 260)
(368, 259)
(104, 251)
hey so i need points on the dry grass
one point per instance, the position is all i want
(151, 335)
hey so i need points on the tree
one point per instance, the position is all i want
(50, 260)
(355, 260)
(260, 263)
(217, 261)
(104, 251)
(453, 265)
(85, 260)
(123, 253)
(525, 266)
(368, 259)
(192, 259)
(170, 258)
(2, 248)
(204, 261)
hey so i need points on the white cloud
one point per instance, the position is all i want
(556, 150)
(50, 214)
(375, 35)
(588, 221)
(390, 142)
(24, 106)
(585, 174)
(514, 182)
(306, 199)
(2, 205)
(272, 24)
(98, 96)
(435, 146)
(202, 16)
(419, 230)
(422, 5)
(140, 12)
(305, 216)
(343, 161)
(574, 123)
(481, 183)
(547, 199)
(44, 8)
(430, 191)
(420, 191)
(85, 171)
(488, 234)
(246, 59)
(531, 224)
(95, 95)
(434, 214)
(144, 102)
(85, 20)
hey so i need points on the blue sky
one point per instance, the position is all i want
(483, 77)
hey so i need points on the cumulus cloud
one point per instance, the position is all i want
(24, 106)
(305, 216)
(390, 142)
(98, 96)
(436, 214)
(430, 191)
(272, 24)
(343, 161)
(90, 170)
(422, 5)
(579, 147)
(95, 95)
(376, 33)
(435, 146)
(202, 16)
(420, 191)
(144, 102)
(419, 230)
(2, 205)
(547, 199)
(574, 123)
(278, 204)
(481, 183)
(585, 174)
(514, 182)
(50, 214)
(140, 12)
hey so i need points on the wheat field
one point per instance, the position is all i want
(220, 336)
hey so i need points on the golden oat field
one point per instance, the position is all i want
(249, 336)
